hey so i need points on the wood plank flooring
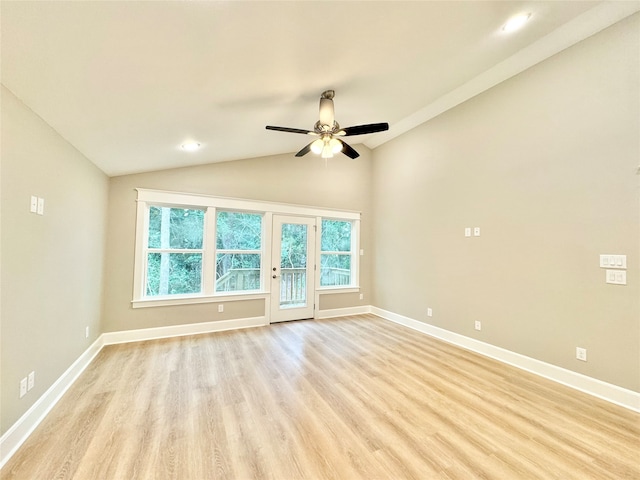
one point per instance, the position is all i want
(349, 398)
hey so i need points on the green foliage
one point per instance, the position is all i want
(239, 245)
(183, 231)
(174, 273)
(336, 236)
(335, 269)
(293, 246)
(183, 273)
(239, 232)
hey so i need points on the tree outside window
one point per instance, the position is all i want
(335, 253)
(174, 251)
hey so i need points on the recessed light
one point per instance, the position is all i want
(190, 146)
(516, 22)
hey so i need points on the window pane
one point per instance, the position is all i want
(238, 231)
(237, 272)
(336, 236)
(173, 273)
(335, 270)
(293, 253)
(175, 228)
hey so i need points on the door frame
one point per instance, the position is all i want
(276, 313)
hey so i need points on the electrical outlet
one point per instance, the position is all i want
(429, 312)
(478, 325)
(31, 380)
(467, 231)
(362, 296)
(220, 307)
(23, 387)
(476, 231)
(581, 354)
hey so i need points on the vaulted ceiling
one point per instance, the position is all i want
(127, 83)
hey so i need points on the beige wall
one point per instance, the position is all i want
(52, 265)
(339, 183)
(545, 164)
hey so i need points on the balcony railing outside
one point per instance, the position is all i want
(293, 287)
(239, 279)
(293, 282)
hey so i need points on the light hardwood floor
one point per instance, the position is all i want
(349, 398)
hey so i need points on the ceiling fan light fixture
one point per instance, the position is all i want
(336, 145)
(317, 146)
(516, 22)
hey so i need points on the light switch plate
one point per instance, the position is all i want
(616, 277)
(34, 204)
(467, 232)
(40, 206)
(613, 261)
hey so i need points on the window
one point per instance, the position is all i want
(174, 251)
(238, 251)
(197, 248)
(336, 253)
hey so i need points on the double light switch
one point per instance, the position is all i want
(616, 266)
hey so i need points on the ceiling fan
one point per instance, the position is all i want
(329, 132)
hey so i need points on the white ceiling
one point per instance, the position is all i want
(127, 82)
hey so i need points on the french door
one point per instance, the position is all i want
(292, 269)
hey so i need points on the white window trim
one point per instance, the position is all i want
(354, 286)
(211, 204)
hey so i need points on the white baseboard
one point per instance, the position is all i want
(27, 423)
(127, 336)
(605, 391)
(343, 312)
(20, 431)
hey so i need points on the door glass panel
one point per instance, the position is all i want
(293, 265)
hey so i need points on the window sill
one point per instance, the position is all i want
(224, 297)
(329, 290)
(193, 299)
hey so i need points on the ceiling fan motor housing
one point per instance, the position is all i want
(327, 117)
